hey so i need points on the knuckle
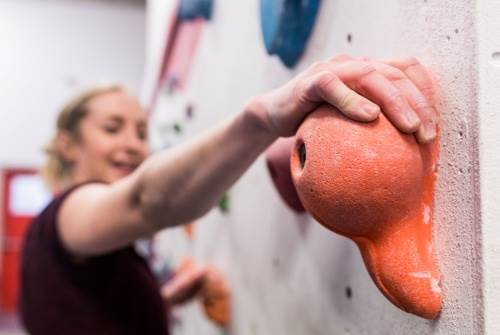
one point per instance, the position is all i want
(305, 90)
(421, 103)
(326, 80)
(366, 69)
(317, 66)
(395, 74)
(341, 57)
(412, 61)
(429, 93)
(347, 100)
(395, 98)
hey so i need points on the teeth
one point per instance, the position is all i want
(125, 166)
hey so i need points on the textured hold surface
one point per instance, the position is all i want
(214, 297)
(278, 165)
(373, 184)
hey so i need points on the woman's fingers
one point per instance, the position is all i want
(417, 73)
(184, 285)
(374, 85)
(426, 132)
(326, 86)
(359, 88)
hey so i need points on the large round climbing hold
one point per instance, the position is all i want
(374, 184)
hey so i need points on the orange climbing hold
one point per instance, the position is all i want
(216, 299)
(189, 230)
(374, 184)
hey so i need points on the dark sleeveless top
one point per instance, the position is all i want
(111, 294)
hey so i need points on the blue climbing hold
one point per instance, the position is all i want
(286, 26)
(193, 9)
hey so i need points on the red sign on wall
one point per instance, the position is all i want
(23, 197)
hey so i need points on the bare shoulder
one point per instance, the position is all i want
(82, 198)
(96, 218)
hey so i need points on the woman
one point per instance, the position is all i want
(80, 274)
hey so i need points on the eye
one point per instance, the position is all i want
(142, 133)
(112, 127)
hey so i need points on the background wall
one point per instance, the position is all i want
(51, 49)
(287, 273)
(489, 142)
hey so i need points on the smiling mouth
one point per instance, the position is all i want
(124, 167)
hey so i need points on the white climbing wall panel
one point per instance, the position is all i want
(288, 274)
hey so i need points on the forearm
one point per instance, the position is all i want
(180, 185)
(177, 186)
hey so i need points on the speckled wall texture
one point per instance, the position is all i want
(288, 274)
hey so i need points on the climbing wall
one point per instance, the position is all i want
(288, 274)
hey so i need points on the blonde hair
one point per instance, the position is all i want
(57, 170)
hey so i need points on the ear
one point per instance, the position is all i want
(67, 146)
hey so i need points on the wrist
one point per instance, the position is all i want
(256, 117)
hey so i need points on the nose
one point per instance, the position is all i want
(133, 143)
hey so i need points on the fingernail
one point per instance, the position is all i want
(413, 120)
(371, 110)
(428, 132)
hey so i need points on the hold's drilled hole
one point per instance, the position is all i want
(302, 155)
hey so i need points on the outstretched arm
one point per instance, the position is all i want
(179, 185)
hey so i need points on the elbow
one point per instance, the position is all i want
(153, 206)
(167, 209)
(156, 209)
(167, 206)
(170, 210)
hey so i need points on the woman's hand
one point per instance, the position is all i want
(186, 285)
(192, 281)
(215, 298)
(357, 87)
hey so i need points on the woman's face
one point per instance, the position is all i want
(113, 139)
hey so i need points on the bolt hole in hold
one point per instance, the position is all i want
(349, 38)
(302, 155)
(495, 58)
